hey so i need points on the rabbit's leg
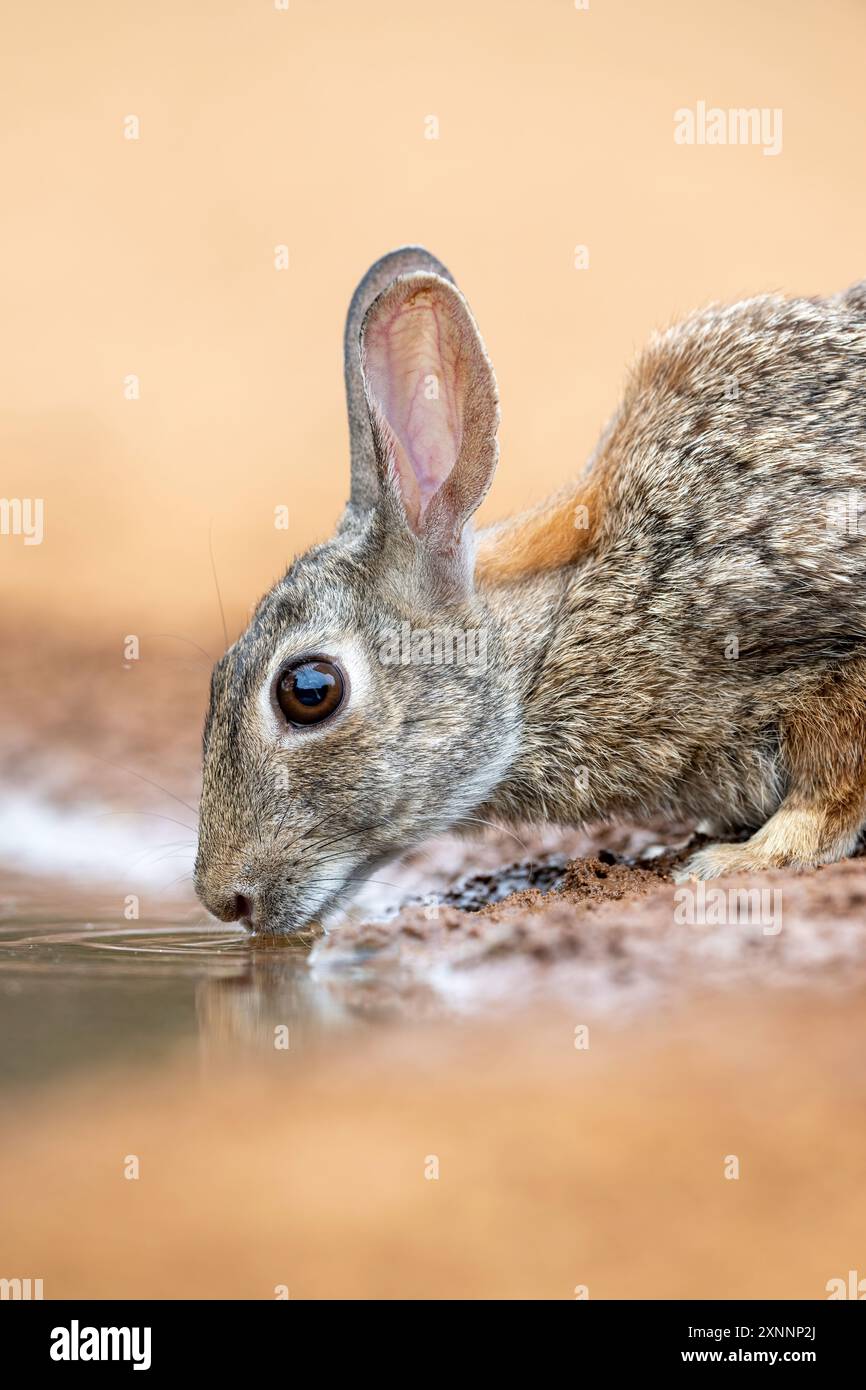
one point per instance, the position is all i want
(821, 817)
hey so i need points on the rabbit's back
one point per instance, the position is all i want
(728, 494)
(707, 574)
(732, 484)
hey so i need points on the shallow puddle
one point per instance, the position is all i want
(80, 985)
(75, 994)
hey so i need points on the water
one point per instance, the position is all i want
(73, 995)
(306, 1167)
(80, 985)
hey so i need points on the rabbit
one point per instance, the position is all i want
(679, 633)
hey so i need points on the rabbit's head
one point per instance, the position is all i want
(367, 705)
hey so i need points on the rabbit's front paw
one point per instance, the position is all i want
(717, 860)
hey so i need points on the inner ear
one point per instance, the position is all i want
(413, 367)
(432, 401)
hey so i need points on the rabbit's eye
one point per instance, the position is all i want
(310, 691)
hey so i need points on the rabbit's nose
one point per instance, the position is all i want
(242, 909)
(233, 907)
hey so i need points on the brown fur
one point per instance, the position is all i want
(549, 537)
(823, 745)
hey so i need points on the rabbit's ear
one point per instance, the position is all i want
(365, 481)
(433, 405)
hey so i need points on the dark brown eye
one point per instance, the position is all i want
(310, 691)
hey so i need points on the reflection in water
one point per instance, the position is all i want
(80, 985)
(74, 994)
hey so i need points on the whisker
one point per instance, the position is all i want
(178, 638)
(217, 583)
(380, 882)
(335, 839)
(178, 846)
(283, 819)
(181, 878)
(101, 815)
(170, 854)
(141, 777)
(182, 660)
(494, 826)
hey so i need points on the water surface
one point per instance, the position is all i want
(74, 993)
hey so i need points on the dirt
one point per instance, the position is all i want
(607, 929)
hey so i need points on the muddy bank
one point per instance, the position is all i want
(612, 931)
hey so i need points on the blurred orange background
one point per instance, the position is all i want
(305, 127)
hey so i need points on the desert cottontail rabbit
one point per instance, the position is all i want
(681, 632)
